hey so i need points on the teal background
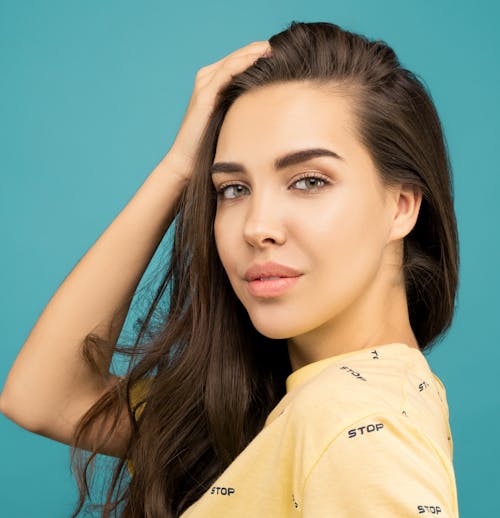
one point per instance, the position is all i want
(91, 96)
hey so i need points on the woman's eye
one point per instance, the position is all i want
(224, 190)
(306, 180)
(310, 181)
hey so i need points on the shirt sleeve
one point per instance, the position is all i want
(381, 465)
(137, 393)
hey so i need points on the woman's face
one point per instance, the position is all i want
(333, 228)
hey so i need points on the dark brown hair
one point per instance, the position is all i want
(215, 378)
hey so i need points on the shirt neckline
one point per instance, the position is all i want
(304, 373)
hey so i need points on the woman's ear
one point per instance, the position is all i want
(406, 207)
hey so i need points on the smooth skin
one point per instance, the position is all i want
(342, 229)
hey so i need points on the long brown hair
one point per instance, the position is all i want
(215, 378)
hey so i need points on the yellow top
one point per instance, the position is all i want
(360, 434)
(137, 391)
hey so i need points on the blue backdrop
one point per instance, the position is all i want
(91, 96)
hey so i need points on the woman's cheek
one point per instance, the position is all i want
(223, 242)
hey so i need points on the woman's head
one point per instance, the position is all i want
(342, 230)
(219, 356)
(382, 223)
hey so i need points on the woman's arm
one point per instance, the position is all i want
(50, 386)
(49, 382)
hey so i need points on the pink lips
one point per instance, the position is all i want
(271, 288)
(288, 277)
(270, 269)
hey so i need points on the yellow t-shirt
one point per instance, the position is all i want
(362, 434)
(137, 391)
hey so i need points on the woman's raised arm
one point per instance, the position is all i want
(50, 385)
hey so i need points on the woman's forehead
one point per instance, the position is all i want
(272, 121)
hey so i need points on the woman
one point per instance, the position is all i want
(315, 259)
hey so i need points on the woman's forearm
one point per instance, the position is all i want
(49, 369)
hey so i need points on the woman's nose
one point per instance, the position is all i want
(264, 222)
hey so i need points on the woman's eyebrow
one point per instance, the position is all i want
(295, 157)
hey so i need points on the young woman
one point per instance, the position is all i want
(315, 260)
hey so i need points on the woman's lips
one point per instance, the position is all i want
(270, 269)
(272, 287)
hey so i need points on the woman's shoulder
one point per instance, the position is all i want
(407, 393)
(360, 385)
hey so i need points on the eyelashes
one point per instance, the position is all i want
(221, 191)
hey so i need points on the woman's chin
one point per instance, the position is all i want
(272, 329)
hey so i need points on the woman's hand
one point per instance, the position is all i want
(209, 80)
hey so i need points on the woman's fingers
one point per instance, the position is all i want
(209, 80)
